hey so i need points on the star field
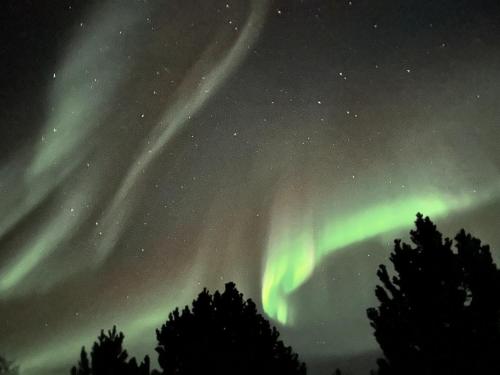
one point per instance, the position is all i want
(152, 148)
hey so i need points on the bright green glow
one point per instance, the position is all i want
(292, 256)
(86, 82)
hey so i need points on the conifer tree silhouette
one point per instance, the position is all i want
(440, 314)
(223, 334)
(109, 358)
(83, 365)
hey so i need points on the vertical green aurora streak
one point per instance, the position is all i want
(292, 257)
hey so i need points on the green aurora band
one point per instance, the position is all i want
(78, 109)
(293, 256)
(73, 204)
(139, 326)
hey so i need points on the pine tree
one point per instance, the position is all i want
(109, 358)
(83, 365)
(223, 334)
(440, 314)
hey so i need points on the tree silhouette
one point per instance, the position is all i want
(223, 334)
(109, 358)
(7, 367)
(440, 314)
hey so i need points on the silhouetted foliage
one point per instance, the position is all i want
(7, 367)
(109, 358)
(223, 334)
(440, 314)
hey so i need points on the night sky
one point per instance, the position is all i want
(151, 148)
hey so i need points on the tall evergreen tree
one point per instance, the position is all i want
(109, 358)
(440, 313)
(223, 334)
(83, 365)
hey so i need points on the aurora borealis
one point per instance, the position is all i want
(151, 148)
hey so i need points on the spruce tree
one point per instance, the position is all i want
(223, 334)
(109, 358)
(439, 314)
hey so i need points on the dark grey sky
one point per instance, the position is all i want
(151, 148)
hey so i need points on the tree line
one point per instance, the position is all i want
(438, 314)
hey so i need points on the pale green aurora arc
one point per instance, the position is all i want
(77, 107)
(293, 254)
(282, 145)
